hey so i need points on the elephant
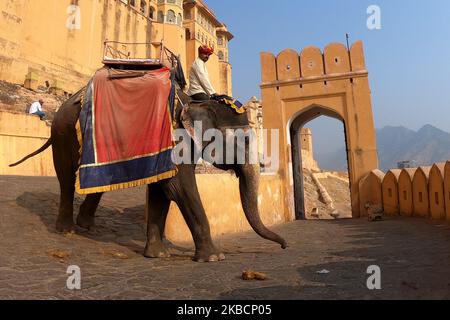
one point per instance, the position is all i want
(182, 189)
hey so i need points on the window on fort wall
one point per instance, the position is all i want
(151, 13)
(179, 19)
(160, 16)
(188, 34)
(133, 3)
(221, 55)
(143, 7)
(171, 18)
(220, 41)
(170, 1)
(187, 14)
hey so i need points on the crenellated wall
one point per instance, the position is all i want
(390, 192)
(370, 190)
(414, 192)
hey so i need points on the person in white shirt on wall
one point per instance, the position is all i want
(200, 88)
(36, 109)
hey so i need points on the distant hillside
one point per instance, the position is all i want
(426, 146)
(332, 161)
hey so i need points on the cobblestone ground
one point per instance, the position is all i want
(414, 255)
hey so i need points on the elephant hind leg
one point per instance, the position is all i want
(65, 161)
(86, 217)
(64, 223)
(157, 209)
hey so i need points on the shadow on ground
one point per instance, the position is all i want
(343, 274)
(125, 227)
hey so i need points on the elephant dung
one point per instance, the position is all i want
(59, 254)
(252, 275)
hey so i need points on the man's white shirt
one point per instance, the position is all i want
(199, 79)
(35, 107)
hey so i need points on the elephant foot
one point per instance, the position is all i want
(156, 251)
(86, 222)
(208, 256)
(64, 226)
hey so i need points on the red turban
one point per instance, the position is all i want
(205, 50)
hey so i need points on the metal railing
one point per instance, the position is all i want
(113, 54)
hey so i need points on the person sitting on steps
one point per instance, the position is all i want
(36, 109)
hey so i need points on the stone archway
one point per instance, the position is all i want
(297, 88)
(299, 120)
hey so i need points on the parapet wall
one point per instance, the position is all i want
(222, 202)
(20, 135)
(419, 192)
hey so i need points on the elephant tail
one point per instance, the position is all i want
(43, 148)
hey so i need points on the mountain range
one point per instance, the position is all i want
(395, 144)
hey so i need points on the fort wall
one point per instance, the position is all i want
(21, 134)
(60, 44)
(422, 192)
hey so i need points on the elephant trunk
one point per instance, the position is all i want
(249, 186)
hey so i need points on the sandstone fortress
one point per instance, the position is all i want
(59, 44)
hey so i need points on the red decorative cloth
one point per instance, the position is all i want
(125, 130)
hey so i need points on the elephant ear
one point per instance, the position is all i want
(192, 115)
(227, 118)
(212, 115)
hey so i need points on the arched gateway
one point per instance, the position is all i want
(299, 88)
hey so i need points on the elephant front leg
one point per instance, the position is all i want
(157, 209)
(190, 204)
(197, 221)
(86, 217)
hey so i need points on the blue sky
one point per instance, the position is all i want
(408, 59)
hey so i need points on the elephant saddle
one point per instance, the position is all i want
(125, 130)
